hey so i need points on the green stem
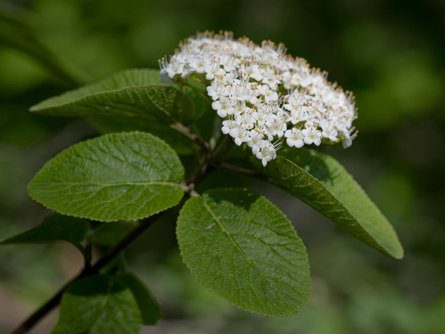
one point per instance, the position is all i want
(236, 169)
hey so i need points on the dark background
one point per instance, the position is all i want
(389, 53)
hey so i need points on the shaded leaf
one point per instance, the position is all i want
(109, 234)
(53, 228)
(96, 305)
(201, 101)
(321, 182)
(179, 142)
(240, 246)
(122, 176)
(130, 93)
(148, 306)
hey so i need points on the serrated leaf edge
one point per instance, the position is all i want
(381, 247)
(227, 299)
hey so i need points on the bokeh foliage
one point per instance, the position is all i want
(387, 52)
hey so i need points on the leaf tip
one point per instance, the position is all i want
(35, 108)
(394, 251)
(399, 253)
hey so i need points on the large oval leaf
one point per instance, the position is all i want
(239, 245)
(321, 182)
(131, 93)
(182, 144)
(98, 304)
(124, 176)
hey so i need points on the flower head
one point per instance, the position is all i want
(264, 95)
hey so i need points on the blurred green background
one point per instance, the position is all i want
(389, 53)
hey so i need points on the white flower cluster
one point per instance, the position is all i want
(264, 96)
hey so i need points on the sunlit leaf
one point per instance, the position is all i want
(122, 176)
(321, 182)
(130, 93)
(240, 246)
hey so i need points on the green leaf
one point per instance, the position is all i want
(179, 142)
(109, 234)
(148, 306)
(122, 176)
(201, 100)
(321, 182)
(53, 228)
(96, 305)
(240, 246)
(131, 93)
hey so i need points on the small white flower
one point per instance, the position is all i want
(240, 107)
(266, 152)
(198, 65)
(223, 107)
(311, 136)
(213, 70)
(255, 141)
(270, 96)
(228, 126)
(348, 137)
(257, 73)
(214, 92)
(294, 137)
(330, 133)
(277, 128)
(245, 121)
(239, 135)
(271, 80)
